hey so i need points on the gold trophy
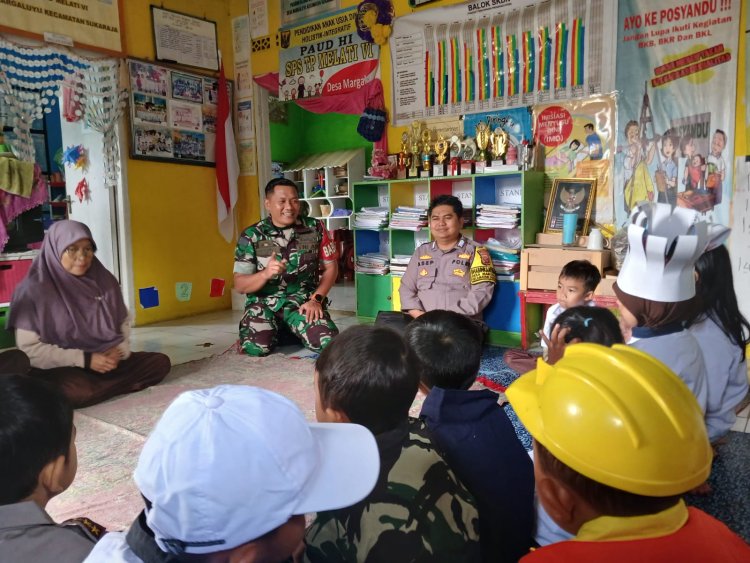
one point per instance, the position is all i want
(404, 157)
(440, 167)
(426, 154)
(416, 129)
(483, 139)
(499, 142)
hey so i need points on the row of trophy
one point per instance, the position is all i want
(422, 155)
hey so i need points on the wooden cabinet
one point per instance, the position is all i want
(524, 189)
(325, 182)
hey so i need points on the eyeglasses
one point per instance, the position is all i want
(72, 251)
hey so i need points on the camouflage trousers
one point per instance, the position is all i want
(259, 328)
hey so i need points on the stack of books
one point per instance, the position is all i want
(372, 263)
(375, 218)
(399, 263)
(498, 216)
(409, 218)
(507, 264)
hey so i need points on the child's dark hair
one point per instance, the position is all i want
(36, 424)
(370, 374)
(590, 324)
(448, 346)
(631, 123)
(606, 500)
(271, 186)
(724, 135)
(576, 141)
(584, 271)
(445, 199)
(716, 297)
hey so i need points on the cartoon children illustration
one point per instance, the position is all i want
(594, 142)
(715, 165)
(665, 176)
(301, 87)
(694, 172)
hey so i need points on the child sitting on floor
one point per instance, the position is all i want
(575, 286)
(418, 509)
(38, 461)
(612, 469)
(228, 474)
(473, 432)
(582, 324)
(722, 333)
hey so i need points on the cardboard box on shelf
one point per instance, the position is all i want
(540, 266)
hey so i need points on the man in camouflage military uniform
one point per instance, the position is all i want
(278, 264)
(452, 272)
(418, 511)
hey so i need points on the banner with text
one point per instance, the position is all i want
(577, 140)
(675, 133)
(492, 54)
(89, 22)
(296, 10)
(325, 57)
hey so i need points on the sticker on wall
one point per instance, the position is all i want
(76, 157)
(82, 191)
(149, 297)
(217, 287)
(183, 290)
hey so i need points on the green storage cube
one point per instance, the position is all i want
(7, 337)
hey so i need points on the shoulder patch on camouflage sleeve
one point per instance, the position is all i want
(482, 269)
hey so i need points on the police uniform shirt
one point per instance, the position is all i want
(27, 533)
(461, 279)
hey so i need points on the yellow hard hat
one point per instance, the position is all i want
(618, 416)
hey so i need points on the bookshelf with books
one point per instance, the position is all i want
(501, 210)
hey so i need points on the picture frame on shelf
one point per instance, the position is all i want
(570, 195)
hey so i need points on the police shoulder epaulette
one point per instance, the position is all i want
(87, 527)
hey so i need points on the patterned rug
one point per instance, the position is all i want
(110, 435)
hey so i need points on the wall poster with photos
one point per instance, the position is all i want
(172, 114)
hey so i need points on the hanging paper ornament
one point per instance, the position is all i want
(77, 157)
(82, 191)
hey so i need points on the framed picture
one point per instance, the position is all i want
(184, 39)
(172, 114)
(570, 195)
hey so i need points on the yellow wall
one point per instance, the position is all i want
(173, 206)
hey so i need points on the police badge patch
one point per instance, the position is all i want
(482, 269)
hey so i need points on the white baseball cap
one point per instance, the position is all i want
(226, 465)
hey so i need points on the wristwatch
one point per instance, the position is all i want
(318, 298)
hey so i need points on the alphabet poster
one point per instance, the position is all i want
(675, 133)
(325, 57)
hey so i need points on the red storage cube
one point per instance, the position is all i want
(11, 274)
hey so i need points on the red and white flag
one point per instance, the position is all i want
(227, 165)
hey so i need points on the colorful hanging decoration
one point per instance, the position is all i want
(103, 102)
(76, 157)
(374, 18)
(29, 81)
(82, 191)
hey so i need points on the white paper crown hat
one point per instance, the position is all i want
(665, 242)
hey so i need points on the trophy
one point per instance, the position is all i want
(440, 167)
(404, 157)
(426, 170)
(499, 140)
(483, 139)
(413, 171)
(456, 148)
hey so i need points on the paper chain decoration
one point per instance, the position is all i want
(30, 79)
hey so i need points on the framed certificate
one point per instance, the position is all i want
(183, 39)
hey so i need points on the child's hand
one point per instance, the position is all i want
(556, 343)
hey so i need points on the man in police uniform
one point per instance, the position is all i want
(278, 264)
(452, 272)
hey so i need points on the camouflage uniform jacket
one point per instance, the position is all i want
(303, 246)
(417, 512)
(461, 279)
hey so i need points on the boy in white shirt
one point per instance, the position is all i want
(575, 286)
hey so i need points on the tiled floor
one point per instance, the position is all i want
(201, 336)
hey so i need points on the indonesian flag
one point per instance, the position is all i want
(227, 165)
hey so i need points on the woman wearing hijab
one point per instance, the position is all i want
(72, 323)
